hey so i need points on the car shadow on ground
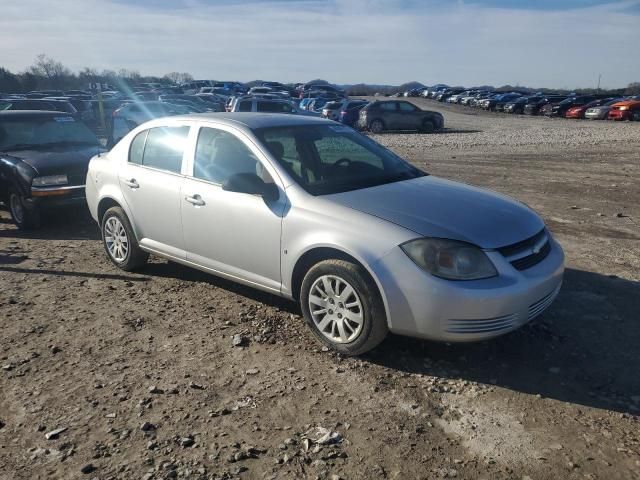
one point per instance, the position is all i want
(168, 269)
(67, 224)
(583, 350)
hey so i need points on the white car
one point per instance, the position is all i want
(315, 211)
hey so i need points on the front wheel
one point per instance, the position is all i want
(428, 127)
(343, 308)
(120, 242)
(24, 217)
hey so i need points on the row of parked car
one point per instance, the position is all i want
(127, 108)
(592, 107)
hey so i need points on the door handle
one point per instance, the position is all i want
(132, 183)
(195, 200)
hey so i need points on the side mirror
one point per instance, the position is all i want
(251, 184)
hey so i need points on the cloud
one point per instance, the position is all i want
(345, 41)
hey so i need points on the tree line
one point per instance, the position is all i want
(47, 73)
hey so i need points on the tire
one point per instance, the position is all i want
(376, 126)
(363, 325)
(428, 127)
(122, 249)
(24, 217)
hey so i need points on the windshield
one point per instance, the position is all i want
(35, 132)
(326, 159)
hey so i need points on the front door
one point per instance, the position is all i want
(236, 234)
(150, 181)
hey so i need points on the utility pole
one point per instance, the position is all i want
(599, 77)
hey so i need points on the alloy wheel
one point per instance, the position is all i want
(336, 309)
(376, 126)
(115, 237)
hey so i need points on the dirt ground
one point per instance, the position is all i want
(142, 373)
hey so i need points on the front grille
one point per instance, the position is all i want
(496, 324)
(541, 305)
(531, 260)
(529, 252)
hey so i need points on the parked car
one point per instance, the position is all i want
(601, 112)
(321, 214)
(331, 110)
(130, 115)
(578, 111)
(38, 104)
(443, 95)
(559, 109)
(181, 99)
(321, 88)
(517, 105)
(250, 104)
(625, 110)
(379, 116)
(43, 162)
(500, 101)
(193, 87)
(351, 112)
(534, 107)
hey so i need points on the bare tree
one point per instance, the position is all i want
(179, 77)
(48, 68)
(633, 89)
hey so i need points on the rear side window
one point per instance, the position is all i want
(406, 107)
(388, 106)
(137, 148)
(274, 107)
(161, 148)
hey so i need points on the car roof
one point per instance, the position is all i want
(32, 113)
(254, 121)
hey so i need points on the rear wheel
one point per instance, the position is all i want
(376, 126)
(23, 216)
(342, 306)
(120, 242)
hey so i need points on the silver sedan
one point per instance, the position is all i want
(314, 211)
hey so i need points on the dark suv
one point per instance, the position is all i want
(398, 115)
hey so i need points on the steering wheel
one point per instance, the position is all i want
(343, 161)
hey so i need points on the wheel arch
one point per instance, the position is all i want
(105, 204)
(319, 253)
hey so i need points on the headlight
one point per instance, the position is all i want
(450, 259)
(51, 180)
(624, 108)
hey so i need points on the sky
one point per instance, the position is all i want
(540, 43)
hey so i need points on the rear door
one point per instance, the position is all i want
(390, 116)
(410, 116)
(150, 181)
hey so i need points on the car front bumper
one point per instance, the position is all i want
(422, 305)
(54, 197)
(619, 114)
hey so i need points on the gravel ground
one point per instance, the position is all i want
(111, 375)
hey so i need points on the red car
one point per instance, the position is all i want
(626, 110)
(579, 110)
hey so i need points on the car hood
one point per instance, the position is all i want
(57, 160)
(436, 207)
